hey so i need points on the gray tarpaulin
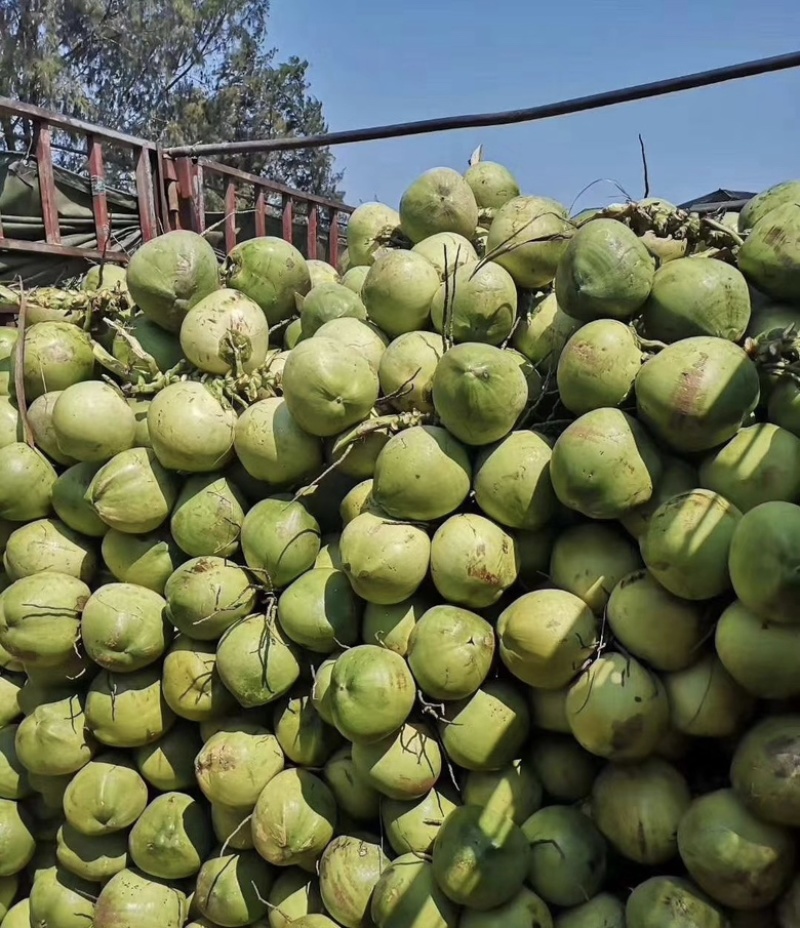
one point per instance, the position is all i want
(21, 214)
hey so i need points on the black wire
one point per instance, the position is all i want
(510, 117)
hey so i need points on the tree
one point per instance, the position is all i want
(176, 71)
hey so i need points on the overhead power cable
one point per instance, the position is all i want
(507, 118)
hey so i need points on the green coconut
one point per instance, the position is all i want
(362, 336)
(14, 782)
(56, 356)
(478, 392)
(354, 278)
(589, 560)
(319, 611)
(606, 271)
(567, 857)
(226, 331)
(687, 542)
(54, 739)
(546, 636)
(446, 251)
(371, 226)
(677, 476)
(328, 301)
(349, 870)
(391, 625)
(371, 693)
(60, 898)
(192, 686)
(476, 303)
(598, 366)
(41, 618)
(638, 808)
(407, 896)
(232, 888)
(411, 826)
(783, 407)
(542, 331)
(473, 561)
(16, 836)
(256, 661)
(133, 492)
(40, 422)
(328, 387)
(140, 407)
(696, 393)
(604, 464)
(106, 795)
(407, 368)
(168, 763)
(705, 701)
(190, 430)
(8, 890)
(492, 183)
(273, 447)
(233, 767)
(8, 337)
(601, 911)
(11, 430)
(269, 271)
(671, 902)
(27, 487)
(770, 255)
(656, 626)
(697, 296)
(294, 820)
(565, 770)
(137, 901)
(450, 652)
(206, 595)
(171, 838)
(354, 794)
(170, 274)
(232, 827)
(486, 730)
(759, 765)
(280, 541)
(732, 855)
(70, 504)
(761, 463)
(764, 202)
(480, 858)
(618, 709)
(128, 709)
(95, 859)
(10, 690)
(385, 560)
(512, 481)
(437, 481)
(358, 500)
(528, 236)
(49, 545)
(141, 336)
(760, 656)
(208, 516)
(440, 200)
(124, 627)
(398, 291)
(302, 733)
(147, 560)
(403, 765)
(514, 791)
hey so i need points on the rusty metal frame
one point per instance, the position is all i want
(170, 192)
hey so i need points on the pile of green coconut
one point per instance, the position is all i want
(456, 586)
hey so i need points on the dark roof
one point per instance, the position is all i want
(719, 199)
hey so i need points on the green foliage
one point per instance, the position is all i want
(172, 70)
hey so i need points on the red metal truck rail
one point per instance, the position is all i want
(168, 192)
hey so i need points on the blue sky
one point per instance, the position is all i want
(376, 62)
